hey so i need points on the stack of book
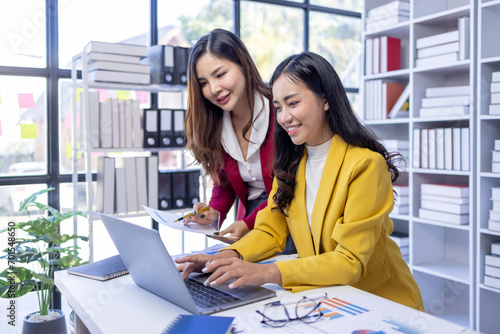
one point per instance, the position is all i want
(401, 200)
(447, 203)
(117, 62)
(445, 47)
(492, 266)
(495, 93)
(495, 157)
(494, 222)
(446, 101)
(381, 97)
(403, 241)
(401, 146)
(383, 54)
(126, 184)
(441, 148)
(386, 15)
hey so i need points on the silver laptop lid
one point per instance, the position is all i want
(152, 268)
(148, 261)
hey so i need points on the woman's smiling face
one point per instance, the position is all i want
(222, 82)
(300, 112)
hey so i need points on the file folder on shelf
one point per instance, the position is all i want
(179, 134)
(179, 190)
(165, 191)
(181, 56)
(161, 60)
(166, 131)
(193, 186)
(150, 128)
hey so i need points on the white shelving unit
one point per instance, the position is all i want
(81, 144)
(487, 298)
(442, 256)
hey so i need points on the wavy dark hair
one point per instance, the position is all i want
(320, 77)
(203, 123)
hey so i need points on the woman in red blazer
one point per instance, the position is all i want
(229, 127)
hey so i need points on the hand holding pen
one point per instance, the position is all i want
(202, 214)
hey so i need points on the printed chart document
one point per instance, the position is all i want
(169, 219)
(346, 311)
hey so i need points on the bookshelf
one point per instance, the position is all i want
(443, 256)
(81, 139)
(487, 298)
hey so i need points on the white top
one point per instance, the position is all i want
(316, 158)
(250, 169)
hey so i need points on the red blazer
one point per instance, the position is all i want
(232, 185)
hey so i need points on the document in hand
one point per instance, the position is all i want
(169, 219)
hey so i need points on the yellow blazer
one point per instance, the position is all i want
(348, 242)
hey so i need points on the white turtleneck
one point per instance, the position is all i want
(316, 158)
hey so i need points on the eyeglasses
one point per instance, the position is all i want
(307, 310)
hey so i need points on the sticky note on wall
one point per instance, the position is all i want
(26, 100)
(28, 131)
(122, 94)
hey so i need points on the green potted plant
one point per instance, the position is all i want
(35, 249)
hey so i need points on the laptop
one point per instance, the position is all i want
(152, 269)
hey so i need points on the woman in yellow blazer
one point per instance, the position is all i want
(332, 192)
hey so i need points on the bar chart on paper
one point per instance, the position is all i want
(351, 315)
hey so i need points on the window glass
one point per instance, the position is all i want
(338, 39)
(271, 33)
(82, 21)
(23, 131)
(353, 5)
(22, 41)
(184, 22)
(12, 197)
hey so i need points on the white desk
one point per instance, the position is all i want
(119, 306)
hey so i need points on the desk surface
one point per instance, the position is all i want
(119, 306)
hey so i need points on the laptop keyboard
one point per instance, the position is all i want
(206, 296)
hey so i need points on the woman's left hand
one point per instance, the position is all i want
(245, 273)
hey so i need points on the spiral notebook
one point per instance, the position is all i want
(199, 324)
(102, 270)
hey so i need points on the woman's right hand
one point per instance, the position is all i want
(195, 263)
(202, 218)
(236, 231)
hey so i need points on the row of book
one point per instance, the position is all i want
(403, 241)
(114, 123)
(448, 203)
(383, 54)
(137, 64)
(441, 148)
(126, 184)
(495, 157)
(401, 200)
(121, 123)
(446, 47)
(386, 15)
(384, 99)
(445, 101)
(495, 94)
(492, 266)
(494, 221)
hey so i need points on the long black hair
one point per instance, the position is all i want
(203, 123)
(316, 73)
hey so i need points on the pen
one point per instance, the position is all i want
(191, 214)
